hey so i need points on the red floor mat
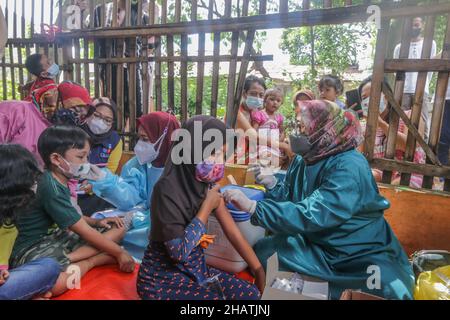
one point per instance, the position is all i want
(105, 283)
(108, 283)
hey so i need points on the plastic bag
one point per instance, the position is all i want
(433, 285)
(429, 260)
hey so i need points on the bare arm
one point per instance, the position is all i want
(96, 239)
(241, 244)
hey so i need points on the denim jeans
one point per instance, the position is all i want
(444, 143)
(31, 279)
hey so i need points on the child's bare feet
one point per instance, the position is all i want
(45, 296)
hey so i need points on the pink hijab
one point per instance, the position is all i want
(22, 123)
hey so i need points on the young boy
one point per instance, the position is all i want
(330, 88)
(52, 227)
(39, 66)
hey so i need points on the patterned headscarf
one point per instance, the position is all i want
(38, 95)
(329, 129)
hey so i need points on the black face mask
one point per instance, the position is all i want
(415, 32)
(300, 144)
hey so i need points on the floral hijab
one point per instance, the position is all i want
(330, 129)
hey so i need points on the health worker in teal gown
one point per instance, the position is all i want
(326, 217)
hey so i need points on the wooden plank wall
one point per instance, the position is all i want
(173, 24)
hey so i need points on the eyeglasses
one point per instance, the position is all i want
(107, 120)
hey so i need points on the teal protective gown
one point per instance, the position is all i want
(327, 222)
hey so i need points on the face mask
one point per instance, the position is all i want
(98, 126)
(75, 170)
(53, 71)
(209, 172)
(300, 144)
(415, 32)
(65, 117)
(145, 151)
(365, 105)
(254, 102)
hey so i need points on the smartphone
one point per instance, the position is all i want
(353, 99)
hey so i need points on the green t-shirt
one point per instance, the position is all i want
(51, 206)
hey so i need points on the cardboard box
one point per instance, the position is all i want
(358, 295)
(313, 289)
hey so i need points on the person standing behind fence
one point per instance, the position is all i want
(3, 33)
(101, 51)
(415, 52)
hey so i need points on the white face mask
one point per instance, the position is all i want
(145, 151)
(76, 170)
(98, 126)
(365, 105)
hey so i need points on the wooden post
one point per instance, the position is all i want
(215, 75)
(398, 93)
(177, 10)
(77, 56)
(200, 75)
(171, 72)
(158, 84)
(120, 89)
(184, 78)
(87, 82)
(262, 6)
(242, 75)
(231, 117)
(438, 108)
(12, 71)
(375, 94)
(284, 6)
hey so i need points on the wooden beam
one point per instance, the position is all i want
(269, 21)
(231, 118)
(410, 167)
(417, 65)
(375, 95)
(411, 128)
(222, 58)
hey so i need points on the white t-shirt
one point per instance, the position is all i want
(448, 91)
(415, 52)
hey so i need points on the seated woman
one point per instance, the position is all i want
(327, 215)
(383, 131)
(22, 122)
(134, 186)
(18, 174)
(174, 265)
(106, 150)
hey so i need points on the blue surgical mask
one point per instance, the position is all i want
(254, 103)
(53, 71)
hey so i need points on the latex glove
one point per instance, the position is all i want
(95, 174)
(238, 199)
(267, 180)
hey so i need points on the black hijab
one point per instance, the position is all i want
(177, 196)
